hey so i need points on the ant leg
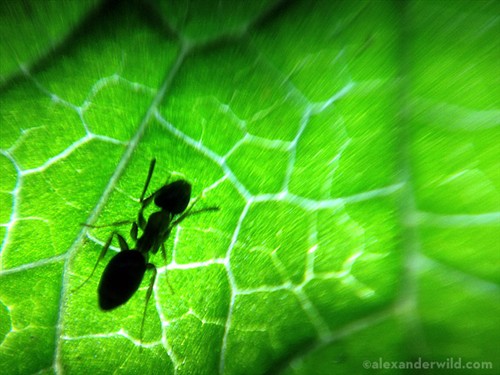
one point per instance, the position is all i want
(152, 267)
(133, 231)
(189, 213)
(122, 242)
(185, 214)
(164, 254)
(145, 202)
(123, 246)
(140, 216)
(148, 179)
(115, 224)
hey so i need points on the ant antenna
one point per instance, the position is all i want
(148, 296)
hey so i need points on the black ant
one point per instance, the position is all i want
(124, 273)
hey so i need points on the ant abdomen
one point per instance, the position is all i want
(121, 279)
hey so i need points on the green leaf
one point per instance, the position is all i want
(352, 148)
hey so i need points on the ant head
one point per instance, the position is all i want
(174, 197)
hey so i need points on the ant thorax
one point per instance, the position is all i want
(155, 233)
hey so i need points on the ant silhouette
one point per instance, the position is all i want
(124, 273)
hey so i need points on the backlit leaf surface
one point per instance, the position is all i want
(352, 148)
